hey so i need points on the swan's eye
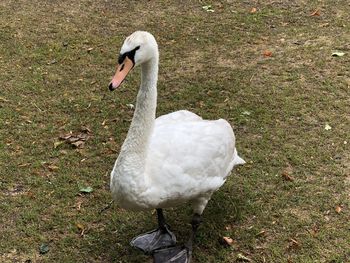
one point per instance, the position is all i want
(121, 58)
(130, 54)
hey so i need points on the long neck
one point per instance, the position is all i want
(134, 149)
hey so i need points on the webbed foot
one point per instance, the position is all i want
(153, 240)
(179, 254)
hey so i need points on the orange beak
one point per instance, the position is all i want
(121, 73)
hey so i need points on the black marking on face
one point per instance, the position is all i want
(130, 54)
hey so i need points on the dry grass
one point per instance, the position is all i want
(56, 61)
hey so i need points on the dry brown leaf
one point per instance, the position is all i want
(267, 53)
(229, 241)
(316, 13)
(286, 173)
(86, 129)
(314, 230)
(338, 209)
(77, 139)
(73, 139)
(52, 168)
(287, 176)
(81, 228)
(31, 194)
(66, 136)
(253, 10)
(293, 244)
(78, 144)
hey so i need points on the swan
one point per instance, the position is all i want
(166, 161)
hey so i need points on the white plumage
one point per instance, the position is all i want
(176, 158)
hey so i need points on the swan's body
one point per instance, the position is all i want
(176, 158)
(188, 158)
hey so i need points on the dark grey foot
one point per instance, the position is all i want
(153, 240)
(172, 255)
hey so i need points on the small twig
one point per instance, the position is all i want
(106, 207)
(36, 106)
(251, 79)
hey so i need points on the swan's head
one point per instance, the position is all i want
(138, 48)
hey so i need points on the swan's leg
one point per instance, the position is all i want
(179, 254)
(159, 238)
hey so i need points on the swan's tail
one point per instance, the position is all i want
(237, 160)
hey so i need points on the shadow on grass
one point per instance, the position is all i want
(112, 244)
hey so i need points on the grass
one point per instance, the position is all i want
(56, 61)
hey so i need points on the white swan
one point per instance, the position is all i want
(169, 160)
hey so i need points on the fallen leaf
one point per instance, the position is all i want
(66, 136)
(314, 230)
(253, 10)
(44, 248)
(52, 167)
(79, 226)
(338, 54)
(286, 175)
(327, 127)
(293, 244)
(86, 190)
(267, 53)
(241, 257)
(78, 144)
(86, 129)
(31, 194)
(316, 13)
(338, 209)
(77, 139)
(229, 241)
(56, 144)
